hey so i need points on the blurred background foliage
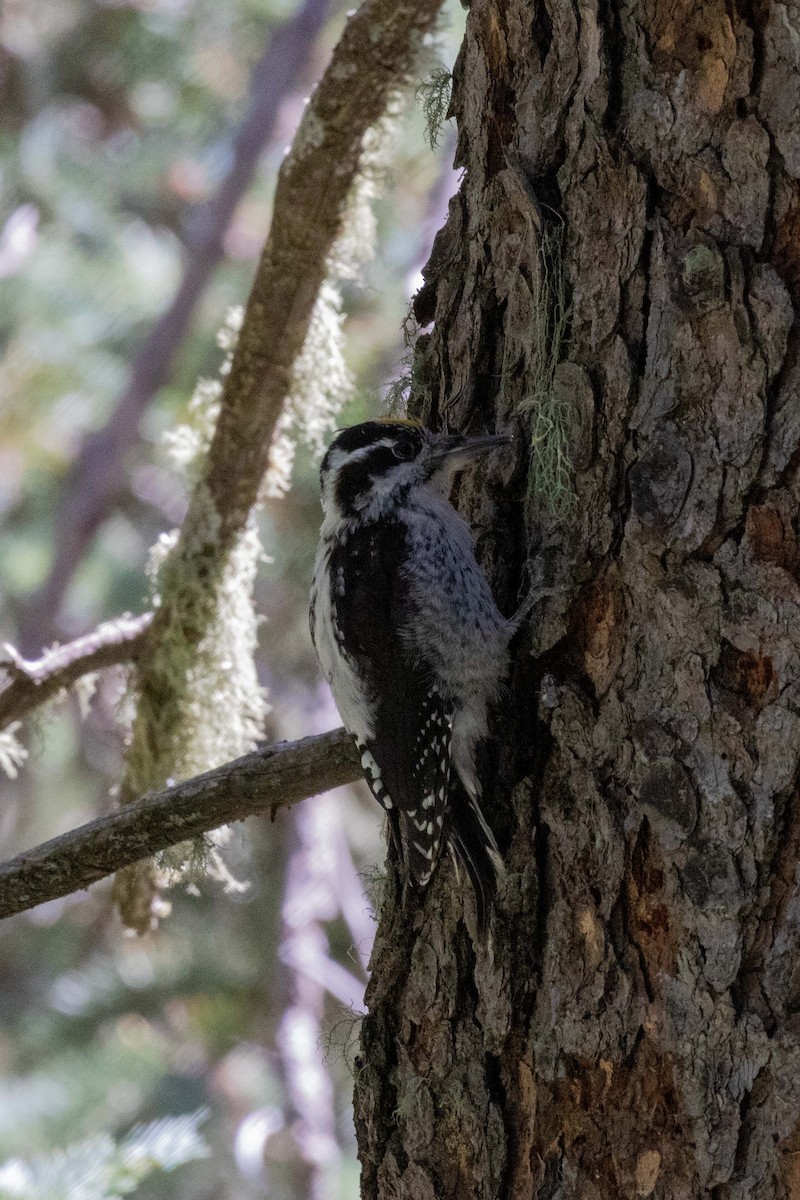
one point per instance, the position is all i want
(119, 124)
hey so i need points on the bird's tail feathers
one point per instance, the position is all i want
(474, 846)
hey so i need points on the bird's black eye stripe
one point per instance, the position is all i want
(357, 478)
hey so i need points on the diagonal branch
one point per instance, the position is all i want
(258, 783)
(373, 58)
(32, 683)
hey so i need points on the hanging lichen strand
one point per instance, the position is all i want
(199, 703)
(546, 403)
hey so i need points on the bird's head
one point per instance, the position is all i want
(371, 465)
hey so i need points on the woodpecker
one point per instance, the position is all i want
(410, 639)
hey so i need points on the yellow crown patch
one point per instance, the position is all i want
(399, 421)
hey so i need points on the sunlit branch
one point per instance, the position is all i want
(374, 57)
(262, 782)
(33, 682)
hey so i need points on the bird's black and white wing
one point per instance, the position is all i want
(404, 735)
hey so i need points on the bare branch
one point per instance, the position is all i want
(311, 200)
(262, 782)
(97, 476)
(32, 683)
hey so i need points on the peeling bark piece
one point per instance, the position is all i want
(603, 620)
(779, 95)
(666, 791)
(653, 740)
(660, 480)
(772, 313)
(710, 877)
(648, 1166)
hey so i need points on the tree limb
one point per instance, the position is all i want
(31, 683)
(373, 58)
(262, 782)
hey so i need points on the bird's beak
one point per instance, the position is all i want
(452, 451)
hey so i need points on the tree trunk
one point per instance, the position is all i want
(634, 1028)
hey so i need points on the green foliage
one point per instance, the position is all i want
(434, 94)
(73, 1092)
(547, 407)
(102, 1169)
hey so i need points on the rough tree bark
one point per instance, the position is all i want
(635, 1028)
